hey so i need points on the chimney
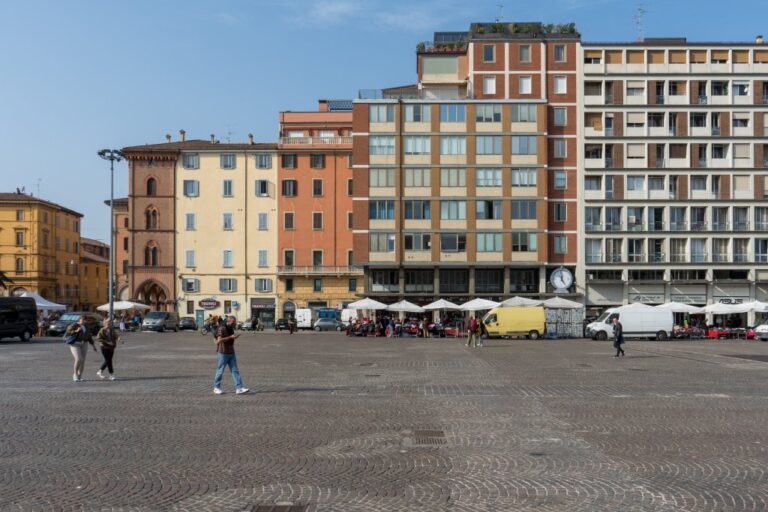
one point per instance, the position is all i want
(759, 39)
(322, 105)
(250, 139)
(213, 139)
(167, 137)
(182, 133)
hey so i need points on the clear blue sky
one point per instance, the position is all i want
(77, 75)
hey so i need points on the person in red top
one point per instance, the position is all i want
(225, 356)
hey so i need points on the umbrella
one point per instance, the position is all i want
(479, 305)
(561, 303)
(679, 307)
(122, 305)
(520, 302)
(405, 306)
(367, 303)
(441, 304)
(44, 304)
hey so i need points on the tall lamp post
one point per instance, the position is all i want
(113, 155)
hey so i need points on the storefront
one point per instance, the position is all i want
(651, 294)
(264, 311)
(732, 294)
(603, 296)
(695, 295)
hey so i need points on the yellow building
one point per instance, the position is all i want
(40, 247)
(94, 274)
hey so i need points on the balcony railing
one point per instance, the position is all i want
(699, 257)
(609, 99)
(594, 227)
(329, 141)
(636, 258)
(703, 99)
(594, 258)
(765, 99)
(761, 226)
(660, 163)
(720, 258)
(636, 226)
(613, 258)
(741, 226)
(678, 226)
(318, 270)
(657, 257)
(715, 130)
(608, 162)
(659, 99)
(609, 132)
(698, 226)
(702, 162)
(613, 226)
(656, 226)
(720, 226)
(678, 258)
(741, 257)
(761, 258)
(673, 131)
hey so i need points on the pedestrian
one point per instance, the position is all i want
(472, 332)
(122, 323)
(618, 332)
(107, 338)
(425, 328)
(225, 356)
(291, 325)
(483, 332)
(76, 336)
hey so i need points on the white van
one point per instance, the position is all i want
(347, 315)
(638, 322)
(303, 319)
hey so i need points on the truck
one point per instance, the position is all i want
(637, 321)
(303, 319)
(514, 321)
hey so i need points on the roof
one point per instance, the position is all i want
(119, 201)
(94, 257)
(673, 42)
(92, 241)
(13, 197)
(200, 145)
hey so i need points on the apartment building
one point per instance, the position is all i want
(94, 274)
(465, 184)
(40, 247)
(674, 164)
(122, 245)
(315, 209)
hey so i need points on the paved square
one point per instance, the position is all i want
(362, 424)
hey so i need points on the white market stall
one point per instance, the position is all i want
(123, 305)
(43, 304)
(564, 318)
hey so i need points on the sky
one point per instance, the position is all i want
(77, 76)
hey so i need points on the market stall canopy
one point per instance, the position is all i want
(441, 304)
(123, 305)
(479, 305)
(679, 307)
(44, 304)
(367, 303)
(405, 306)
(561, 303)
(635, 305)
(520, 302)
(756, 305)
(725, 309)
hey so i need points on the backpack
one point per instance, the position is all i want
(70, 339)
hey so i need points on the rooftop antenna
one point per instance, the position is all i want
(501, 12)
(37, 187)
(229, 133)
(639, 17)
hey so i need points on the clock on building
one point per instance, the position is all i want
(561, 279)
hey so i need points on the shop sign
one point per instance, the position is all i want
(690, 299)
(208, 303)
(647, 298)
(730, 300)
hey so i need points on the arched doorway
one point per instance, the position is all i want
(153, 294)
(289, 310)
(16, 292)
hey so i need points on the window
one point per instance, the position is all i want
(262, 188)
(524, 53)
(226, 258)
(489, 242)
(656, 183)
(453, 242)
(524, 242)
(561, 244)
(381, 178)
(151, 187)
(635, 88)
(655, 120)
(350, 219)
(190, 160)
(227, 188)
(741, 183)
(489, 85)
(227, 285)
(417, 144)
(635, 150)
(317, 187)
(488, 210)
(350, 187)
(417, 241)
(20, 238)
(290, 188)
(561, 117)
(191, 221)
(417, 113)
(417, 210)
(740, 88)
(381, 210)
(227, 160)
(560, 84)
(262, 221)
(263, 161)
(719, 151)
(417, 178)
(352, 285)
(559, 53)
(740, 120)
(263, 260)
(488, 144)
(453, 145)
(422, 281)
(226, 222)
(741, 151)
(288, 257)
(454, 281)
(698, 120)
(451, 177)
(189, 258)
(524, 85)
(381, 145)
(635, 120)
(289, 161)
(560, 180)
(523, 113)
(19, 215)
(125, 241)
(453, 210)
(317, 161)
(288, 220)
(524, 210)
(698, 183)
(560, 212)
(485, 113)
(190, 285)
(523, 144)
(560, 148)
(452, 113)
(289, 284)
(523, 177)
(317, 285)
(636, 183)
(19, 265)
(488, 177)
(263, 285)
(382, 113)
(381, 242)
(489, 53)
(317, 220)
(719, 88)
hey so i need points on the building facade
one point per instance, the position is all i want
(94, 274)
(466, 184)
(122, 237)
(315, 209)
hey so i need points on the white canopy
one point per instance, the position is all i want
(636, 305)
(520, 302)
(561, 303)
(122, 305)
(44, 304)
(757, 306)
(478, 305)
(405, 306)
(725, 309)
(441, 304)
(367, 303)
(679, 307)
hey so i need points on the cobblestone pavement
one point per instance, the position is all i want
(362, 424)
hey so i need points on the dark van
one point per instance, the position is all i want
(18, 317)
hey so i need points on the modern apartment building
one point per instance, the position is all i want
(465, 184)
(315, 209)
(674, 164)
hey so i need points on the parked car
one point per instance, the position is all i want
(93, 323)
(328, 324)
(18, 317)
(187, 323)
(281, 324)
(161, 321)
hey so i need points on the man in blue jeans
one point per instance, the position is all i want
(225, 356)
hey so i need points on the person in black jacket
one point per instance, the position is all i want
(618, 332)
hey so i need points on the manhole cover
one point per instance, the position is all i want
(752, 357)
(428, 433)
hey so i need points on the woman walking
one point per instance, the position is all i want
(108, 339)
(76, 336)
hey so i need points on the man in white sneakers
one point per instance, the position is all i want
(225, 356)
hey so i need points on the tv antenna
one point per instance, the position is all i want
(37, 187)
(501, 12)
(639, 18)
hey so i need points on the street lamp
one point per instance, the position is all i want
(113, 155)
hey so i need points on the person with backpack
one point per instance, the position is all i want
(76, 336)
(108, 339)
(472, 332)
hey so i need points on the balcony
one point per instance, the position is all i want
(741, 226)
(657, 257)
(591, 228)
(636, 258)
(703, 100)
(659, 99)
(315, 270)
(761, 226)
(698, 226)
(761, 258)
(741, 257)
(699, 257)
(678, 258)
(678, 226)
(720, 226)
(613, 226)
(716, 130)
(636, 226)
(316, 141)
(721, 257)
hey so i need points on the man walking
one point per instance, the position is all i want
(618, 332)
(225, 356)
(472, 332)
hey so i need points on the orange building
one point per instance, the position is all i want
(315, 209)
(122, 243)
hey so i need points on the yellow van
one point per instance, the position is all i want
(515, 322)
